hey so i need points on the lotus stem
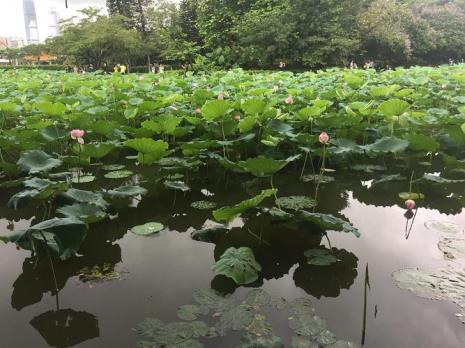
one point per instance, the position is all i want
(50, 260)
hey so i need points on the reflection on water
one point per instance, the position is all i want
(165, 270)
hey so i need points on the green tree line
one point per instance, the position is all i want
(263, 33)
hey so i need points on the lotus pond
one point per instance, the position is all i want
(233, 209)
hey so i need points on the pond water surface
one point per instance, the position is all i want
(357, 296)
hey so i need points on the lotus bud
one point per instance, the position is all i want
(289, 100)
(237, 117)
(410, 204)
(324, 138)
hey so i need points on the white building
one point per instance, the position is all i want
(38, 19)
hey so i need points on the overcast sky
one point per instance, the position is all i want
(11, 12)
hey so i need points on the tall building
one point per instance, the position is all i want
(30, 22)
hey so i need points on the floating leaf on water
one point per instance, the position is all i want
(203, 205)
(439, 180)
(126, 191)
(296, 202)
(326, 337)
(422, 283)
(320, 257)
(444, 227)
(368, 168)
(210, 234)
(212, 299)
(238, 264)
(235, 318)
(300, 306)
(89, 197)
(257, 298)
(307, 324)
(118, 174)
(279, 303)
(315, 178)
(177, 185)
(147, 229)
(411, 195)
(99, 273)
(260, 326)
(171, 334)
(113, 167)
(83, 179)
(329, 222)
(191, 312)
(452, 248)
(251, 341)
(303, 342)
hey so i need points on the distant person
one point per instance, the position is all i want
(116, 68)
(282, 65)
(122, 69)
(161, 69)
(154, 68)
(76, 69)
(353, 65)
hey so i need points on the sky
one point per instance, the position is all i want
(11, 23)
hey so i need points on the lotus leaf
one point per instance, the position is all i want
(238, 264)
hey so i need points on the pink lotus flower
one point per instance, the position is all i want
(221, 96)
(324, 138)
(78, 134)
(197, 111)
(289, 100)
(237, 117)
(410, 204)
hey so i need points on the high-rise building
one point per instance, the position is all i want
(30, 22)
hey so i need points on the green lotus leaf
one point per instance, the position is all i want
(37, 161)
(98, 150)
(393, 107)
(439, 179)
(296, 202)
(88, 213)
(203, 205)
(238, 264)
(247, 124)
(163, 124)
(320, 257)
(147, 145)
(53, 133)
(420, 142)
(113, 167)
(82, 196)
(62, 236)
(210, 234)
(191, 312)
(147, 229)
(329, 222)
(126, 191)
(49, 108)
(214, 109)
(254, 106)
(118, 174)
(387, 144)
(229, 213)
(263, 166)
(177, 185)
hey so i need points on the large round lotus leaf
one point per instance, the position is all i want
(444, 227)
(118, 174)
(238, 264)
(147, 229)
(88, 213)
(422, 283)
(126, 191)
(214, 109)
(393, 107)
(387, 144)
(147, 145)
(326, 337)
(411, 195)
(252, 341)
(452, 248)
(211, 299)
(257, 298)
(36, 161)
(113, 167)
(177, 185)
(235, 318)
(301, 306)
(191, 312)
(296, 202)
(203, 205)
(307, 324)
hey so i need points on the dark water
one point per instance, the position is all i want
(160, 273)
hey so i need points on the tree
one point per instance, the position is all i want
(97, 40)
(188, 20)
(134, 10)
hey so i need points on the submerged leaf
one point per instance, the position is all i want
(320, 257)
